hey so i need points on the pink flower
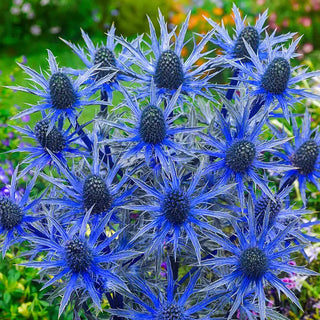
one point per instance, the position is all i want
(285, 23)
(315, 4)
(305, 21)
(272, 20)
(290, 283)
(307, 47)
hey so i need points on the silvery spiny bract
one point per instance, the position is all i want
(176, 202)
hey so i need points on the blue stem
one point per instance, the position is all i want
(230, 92)
(258, 103)
(115, 303)
(288, 182)
(103, 97)
(175, 268)
(107, 151)
(60, 123)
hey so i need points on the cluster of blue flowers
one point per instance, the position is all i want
(184, 175)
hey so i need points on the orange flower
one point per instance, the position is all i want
(178, 18)
(217, 11)
(204, 13)
(194, 20)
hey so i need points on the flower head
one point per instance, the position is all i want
(78, 259)
(104, 57)
(302, 153)
(253, 261)
(14, 217)
(62, 97)
(273, 78)
(97, 189)
(177, 208)
(240, 150)
(51, 141)
(166, 67)
(245, 35)
(151, 129)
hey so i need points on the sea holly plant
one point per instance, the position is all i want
(177, 201)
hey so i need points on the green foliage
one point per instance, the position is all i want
(132, 15)
(21, 297)
(32, 20)
(8, 110)
(46, 17)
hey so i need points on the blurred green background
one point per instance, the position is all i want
(29, 27)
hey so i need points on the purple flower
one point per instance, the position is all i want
(6, 142)
(25, 118)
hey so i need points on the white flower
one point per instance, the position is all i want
(55, 30)
(35, 30)
(312, 252)
(15, 11)
(44, 2)
(26, 7)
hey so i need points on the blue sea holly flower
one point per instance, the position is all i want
(168, 305)
(78, 260)
(255, 261)
(301, 153)
(98, 189)
(105, 57)
(62, 97)
(274, 78)
(14, 217)
(280, 211)
(49, 141)
(235, 47)
(239, 150)
(179, 208)
(151, 130)
(166, 67)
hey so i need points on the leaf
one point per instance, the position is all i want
(6, 297)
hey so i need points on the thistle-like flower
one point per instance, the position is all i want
(105, 57)
(152, 129)
(168, 306)
(97, 189)
(302, 153)
(274, 80)
(14, 217)
(79, 260)
(235, 47)
(179, 207)
(254, 261)
(167, 69)
(49, 142)
(241, 151)
(62, 97)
